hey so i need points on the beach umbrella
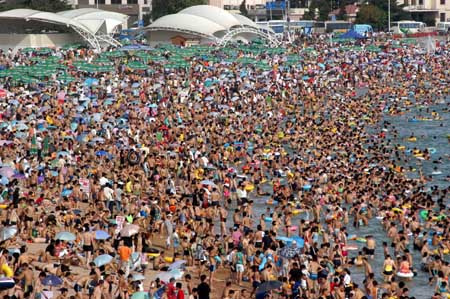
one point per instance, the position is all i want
(137, 277)
(101, 153)
(6, 142)
(101, 235)
(166, 276)
(268, 286)
(129, 230)
(65, 236)
(102, 260)
(6, 171)
(4, 181)
(52, 281)
(66, 192)
(177, 265)
(8, 232)
(21, 127)
(289, 252)
(140, 295)
(208, 183)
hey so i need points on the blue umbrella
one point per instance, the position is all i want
(65, 236)
(101, 153)
(4, 181)
(52, 281)
(101, 235)
(66, 192)
(102, 260)
(90, 82)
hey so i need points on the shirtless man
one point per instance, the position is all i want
(371, 243)
(28, 279)
(88, 244)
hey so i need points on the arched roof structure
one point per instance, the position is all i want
(93, 25)
(210, 22)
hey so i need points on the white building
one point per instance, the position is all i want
(133, 8)
(439, 10)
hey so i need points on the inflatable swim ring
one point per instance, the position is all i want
(3, 207)
(436, 172)
(361, 240)
(293, 228)
(397, 210)
(268, 219)
(401, 148)
(153, 252)
(6, 283)
(133, 157)
(249, 188)
(271, 202)
(168, 259)
(412, 139)
(350, 248)
(432, 150)
(307, 187)
(405, 275)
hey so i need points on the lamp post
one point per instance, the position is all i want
(389, 16)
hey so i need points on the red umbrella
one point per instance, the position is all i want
(3, 93)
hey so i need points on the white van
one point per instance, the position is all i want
(443, 27)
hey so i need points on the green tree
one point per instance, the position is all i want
(372, 15)
(166, 7)
(324, 7)
(243, 8)
(397, 11)
(43, 5)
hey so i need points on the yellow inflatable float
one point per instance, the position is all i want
(249, 187)
(7, 271)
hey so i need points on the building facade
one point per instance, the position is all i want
(428, 10)
(264, 10)
(133, 8)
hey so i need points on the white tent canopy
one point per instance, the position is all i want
(94, 25)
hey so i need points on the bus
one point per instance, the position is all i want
(408, 27)
(276, 25)
(363, 29)
(337, 26)
(443, 27)
(304, 26)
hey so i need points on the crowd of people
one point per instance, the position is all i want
(221, 180)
